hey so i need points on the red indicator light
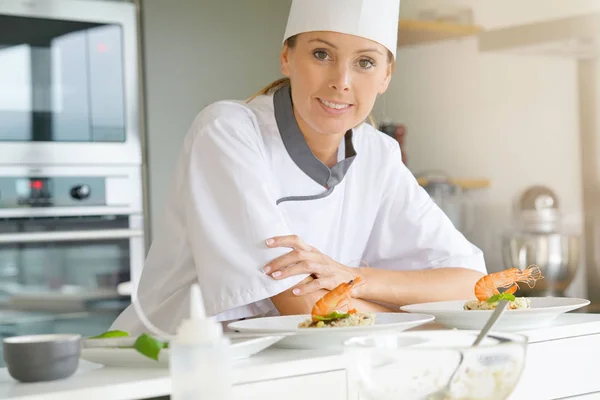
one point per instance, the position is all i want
(102, 48)
(37, 185)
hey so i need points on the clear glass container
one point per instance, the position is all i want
(413, 365)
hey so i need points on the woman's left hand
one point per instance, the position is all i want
(305, 259)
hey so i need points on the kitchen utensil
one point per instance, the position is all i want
(538, 239)
(386, 368)
(557, 255)
(537, 210)
(446, 392)
(38, 358)
(493, 318)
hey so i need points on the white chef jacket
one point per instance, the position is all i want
(246, 174)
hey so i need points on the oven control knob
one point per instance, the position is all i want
(80, 192)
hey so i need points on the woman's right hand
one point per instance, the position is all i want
(305, 259)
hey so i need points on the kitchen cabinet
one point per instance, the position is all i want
(329, 385)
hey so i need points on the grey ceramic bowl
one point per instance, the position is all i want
(38, 358)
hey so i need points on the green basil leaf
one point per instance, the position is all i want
(332, 316)
(110, 334)
(149, 346)
(501, 296)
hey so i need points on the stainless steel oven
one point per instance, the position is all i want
(68, 237)
(69, 83)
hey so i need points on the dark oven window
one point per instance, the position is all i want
(86, 263)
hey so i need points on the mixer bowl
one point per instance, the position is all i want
(557, 255)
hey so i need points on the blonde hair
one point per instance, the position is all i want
(270, 88)
(278, 84)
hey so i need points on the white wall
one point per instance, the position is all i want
(197, 52)
(512, 119)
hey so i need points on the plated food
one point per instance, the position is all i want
(326, 311)
(487, 293)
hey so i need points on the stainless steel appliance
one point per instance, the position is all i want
(69, 83)
(68, 237)
(449, 196)
(556, 254)
(539, 240)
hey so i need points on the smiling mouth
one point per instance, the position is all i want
(335, 106)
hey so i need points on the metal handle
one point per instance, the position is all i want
(490, 323)
(522, 254)
(44, 237)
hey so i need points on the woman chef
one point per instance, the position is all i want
(275, 200)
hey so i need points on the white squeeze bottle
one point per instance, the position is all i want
(199, 357)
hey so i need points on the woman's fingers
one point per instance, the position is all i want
(301, 252)
(287, 260)
(310, 287)
(291, 241)
(303, 267)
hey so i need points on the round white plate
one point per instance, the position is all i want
(317, 338)
(130, 358)
(543, 311)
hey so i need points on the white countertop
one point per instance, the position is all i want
(565, 326)
(93, 382)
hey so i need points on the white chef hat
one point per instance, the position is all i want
(376, 20)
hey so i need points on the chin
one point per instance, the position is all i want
(329, 126)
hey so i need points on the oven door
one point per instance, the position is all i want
(60, 274)
(68, 83)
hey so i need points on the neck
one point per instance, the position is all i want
(324, 147)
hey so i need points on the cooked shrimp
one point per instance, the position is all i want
(488, 285)
(334, 299)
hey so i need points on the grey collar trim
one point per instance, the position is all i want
(298, 149)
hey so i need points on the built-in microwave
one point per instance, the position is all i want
(69, 91)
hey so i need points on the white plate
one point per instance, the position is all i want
(317, 338)
(543, 311)
(130, 358)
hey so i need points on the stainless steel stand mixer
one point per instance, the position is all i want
(538, 240)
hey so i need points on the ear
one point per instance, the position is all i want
(284, 60)
(386, 81)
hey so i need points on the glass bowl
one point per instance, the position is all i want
(414, 365)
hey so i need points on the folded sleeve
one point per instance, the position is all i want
(230, 210)
(411, 232)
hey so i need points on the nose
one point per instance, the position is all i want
(340, 78)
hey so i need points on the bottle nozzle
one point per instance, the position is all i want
(197, 310)
(198, 327)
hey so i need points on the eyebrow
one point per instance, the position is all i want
(335, 47)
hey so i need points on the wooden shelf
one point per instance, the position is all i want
(574, 37)
(414, 32)
(467, 184)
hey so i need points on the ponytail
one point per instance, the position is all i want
(270, 88)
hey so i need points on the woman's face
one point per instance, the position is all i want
(335, 79)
